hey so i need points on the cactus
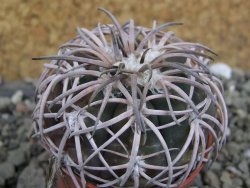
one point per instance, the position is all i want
(130, 106)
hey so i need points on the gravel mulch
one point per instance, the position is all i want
(23, 162)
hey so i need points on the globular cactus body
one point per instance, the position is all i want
(129, 106)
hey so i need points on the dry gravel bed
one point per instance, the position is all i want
(23, 162)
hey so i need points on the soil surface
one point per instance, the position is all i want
(31, 28)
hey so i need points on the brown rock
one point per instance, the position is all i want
(22, 107)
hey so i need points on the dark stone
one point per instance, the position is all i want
(2, 181)
(3, 153)
(36, 149)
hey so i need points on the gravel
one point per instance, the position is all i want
(7, 170)
(211, 178)
(23, 162)
(19, 154)
(231, 170)
(17, 97)
(32, 176)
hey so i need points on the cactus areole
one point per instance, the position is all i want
(130, 106)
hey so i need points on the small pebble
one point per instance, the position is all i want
(216, 167)
(221, 69)
(2, 181)
(22, 107)
(225, 177)
(3, 153)
(16, 157)
(5, 102)
(17, 97)
(243, 166)
(7, 170)
(237, 182)
(247, 154)
(31, 176)
(248, 182)
(234, 171)
(212, 179)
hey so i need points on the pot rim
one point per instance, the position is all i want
(193, 175)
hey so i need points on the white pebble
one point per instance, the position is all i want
(221, 69)
(247, 153)
(228, 131)
(17, 97)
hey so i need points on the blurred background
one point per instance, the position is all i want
(30, 28)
